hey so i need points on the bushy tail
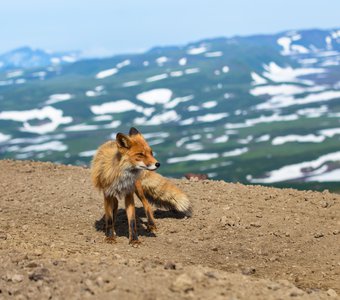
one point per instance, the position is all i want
(163, 193)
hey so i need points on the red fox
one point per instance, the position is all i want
(125, 166)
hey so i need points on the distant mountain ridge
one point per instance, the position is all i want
(26, 58)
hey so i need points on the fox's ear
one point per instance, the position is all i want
(133, 131)
(123, 141)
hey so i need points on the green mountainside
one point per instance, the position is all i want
(259, 109)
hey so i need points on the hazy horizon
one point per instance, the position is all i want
(108, 28)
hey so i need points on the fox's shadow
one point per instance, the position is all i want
(121, 226)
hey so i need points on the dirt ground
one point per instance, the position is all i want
(242, 242)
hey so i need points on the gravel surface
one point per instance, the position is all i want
(243, 242)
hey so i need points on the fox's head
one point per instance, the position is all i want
(136, 150)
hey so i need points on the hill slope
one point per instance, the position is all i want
(258, 109)
(242, 242)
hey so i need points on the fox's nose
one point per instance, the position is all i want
(157, 164)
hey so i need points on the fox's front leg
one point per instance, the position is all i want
(111, 208)
(131, 216)
(147, 207)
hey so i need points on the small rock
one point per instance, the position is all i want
(38, 252)
(336, 232)
(255, 224)
(273, 286)
(248, 271)
(25, 227)
(100, 281)
(39, 274)
(324, 204)
(214, 249)
(332, 293)
(318, 235)
(211, 274)
(183, 283)
(169, 265)
(17, 278)
(224, 221)
(3, 236)
(197, 275)
(296, 293)
(31, 264)
(90, 287)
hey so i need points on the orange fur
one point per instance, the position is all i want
(123, 167)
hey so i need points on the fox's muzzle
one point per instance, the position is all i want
(153, 167)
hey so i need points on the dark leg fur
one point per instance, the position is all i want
(131, 216)
(147, 207)
(111, 208)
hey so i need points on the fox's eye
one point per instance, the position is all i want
(140, 154)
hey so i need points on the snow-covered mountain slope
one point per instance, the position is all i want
(258, 109)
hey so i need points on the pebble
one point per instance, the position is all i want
(169, 265)
(296, 292)
(332, 293)
(324, 204)
(39, 274)
(38, 252)
(17, 278)
(318, 235)
(31, 264)
(183, 283)
(248, 271)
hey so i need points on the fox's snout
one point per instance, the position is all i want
(153, 167)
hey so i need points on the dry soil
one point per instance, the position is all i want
(242, 242)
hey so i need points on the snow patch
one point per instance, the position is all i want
(195, 157)
(88, 153)
(174, 102)
(49, 146)
(197, 50)
(123, 64)
(155, 96)
(309, 138)
(212, 117)
(106, 73)
(214, 54)
(182, 61)
(131, 83)
(48, 112)
(257, 79)
(286, 100)
(299, 170)
(55, 98)
(118, 106)
(236, 152)
(14, 74)
(157, 77)
(288, 74)
(4, 137)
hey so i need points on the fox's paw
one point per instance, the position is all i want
(151, 227)
(135, 243)
(110, 239)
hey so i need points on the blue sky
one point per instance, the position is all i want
(105, 27)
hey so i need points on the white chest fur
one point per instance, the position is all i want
(124, 184)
